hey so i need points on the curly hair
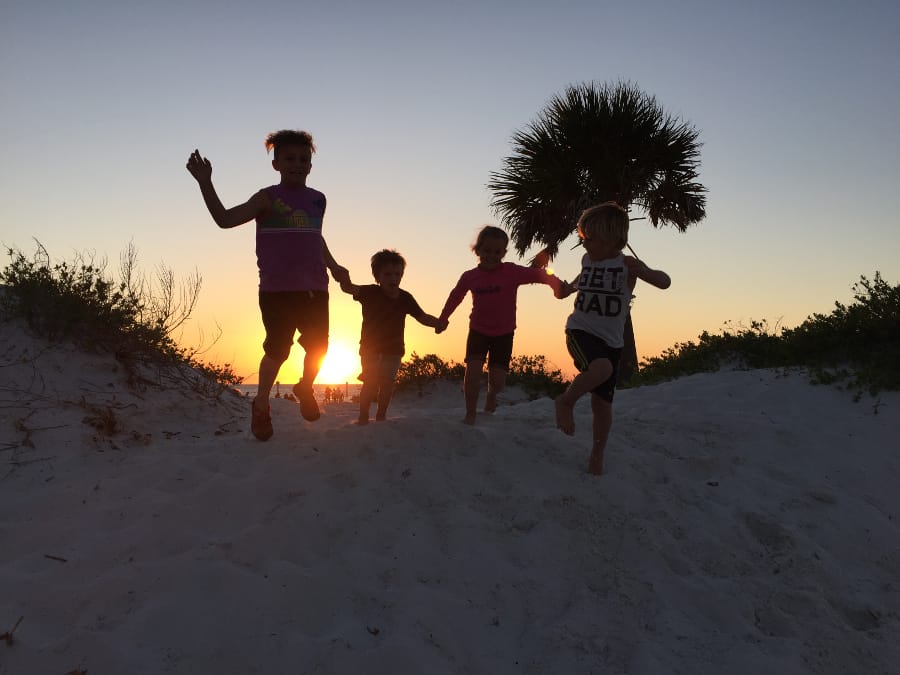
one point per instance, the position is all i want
(285, 137)
(385, 258)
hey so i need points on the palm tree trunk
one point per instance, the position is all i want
(628, 362)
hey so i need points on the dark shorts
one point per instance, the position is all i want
(284, 312)
(585, 348)
(379, 368)
(497, 347)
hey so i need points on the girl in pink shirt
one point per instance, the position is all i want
(492, 323)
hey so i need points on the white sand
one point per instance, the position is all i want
(748, 523)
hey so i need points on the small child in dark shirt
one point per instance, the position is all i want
(381, 347)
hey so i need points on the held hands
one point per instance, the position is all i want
(342, 276)
(199, 167)
(564, 291)
(441, 326)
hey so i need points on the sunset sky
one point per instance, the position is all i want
(412, 106)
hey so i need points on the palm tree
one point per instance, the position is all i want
(594, 144)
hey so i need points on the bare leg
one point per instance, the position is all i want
(471, 386)
(597, 373)
(384, 400)
(303, 390)
(366, 395)
(261, 418)
(268, 371)
(312, 362)
(602, 424)
(496, 384)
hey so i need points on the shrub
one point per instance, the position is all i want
(531, 374)
(753, 346)
(417, 371)
(855, 344)
(75, 301)
(133, 318)
(859, 343)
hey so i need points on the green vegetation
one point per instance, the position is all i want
(529, 373)
(533, 376)
(134, 319)
(856, 345)
(417, 371)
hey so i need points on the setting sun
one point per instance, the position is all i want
(340, 365)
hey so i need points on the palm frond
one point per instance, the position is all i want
(591, 144)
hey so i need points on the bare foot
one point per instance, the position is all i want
(595, 464)
(380, 418)
(363, 419)
(565, 416)
(490, 403)
(469, 419)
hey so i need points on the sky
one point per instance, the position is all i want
(412, 106)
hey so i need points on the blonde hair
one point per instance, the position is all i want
(607, 221)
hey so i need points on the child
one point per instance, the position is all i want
(494, 285)
(384, 308)
(595, 329)
(292, 258)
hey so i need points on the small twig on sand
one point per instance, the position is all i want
(25, 462)
(55, 557)
(7, 637)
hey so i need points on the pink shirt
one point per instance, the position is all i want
(494, 295)
(289, 249)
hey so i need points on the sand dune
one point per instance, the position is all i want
(748, 523)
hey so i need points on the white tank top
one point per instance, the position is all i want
(603, 300)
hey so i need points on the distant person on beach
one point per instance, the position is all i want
(292, 258)
(494, 285)
(381, 347)
(595, 328)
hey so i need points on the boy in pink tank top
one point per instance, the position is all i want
(292, 258)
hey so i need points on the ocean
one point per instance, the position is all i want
(348, 390)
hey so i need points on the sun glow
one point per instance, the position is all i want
(341, 365)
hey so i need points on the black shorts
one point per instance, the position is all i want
(499, 347)
(584, 348)
(284, 312)
(379, 368)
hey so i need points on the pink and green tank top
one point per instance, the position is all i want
(289, 247)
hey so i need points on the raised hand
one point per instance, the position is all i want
(199, 167)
